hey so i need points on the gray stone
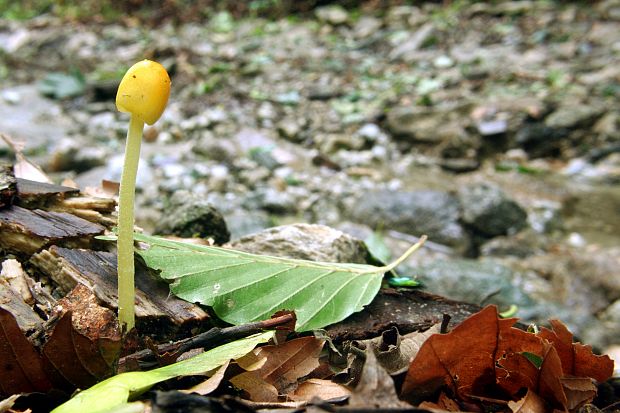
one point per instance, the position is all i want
(486, 282)
(76, 155)
(334, 14)
(290, 129)
(492, 127)
(460, 165)
(366, 26)
(539, 140)
(573, 116)
(416, 41)
(421, 125)
(607, 333)
(188, 215)
(490, 211)
(272, 200)
(329, 143)
(242, 222)
(434, 213)
(522, 245)
(304, 241)
(33, 118)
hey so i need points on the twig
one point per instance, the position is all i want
(214, 337)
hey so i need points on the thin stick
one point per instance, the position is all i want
(126, 287)
(211, 338)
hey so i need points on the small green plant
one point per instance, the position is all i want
(143, 92)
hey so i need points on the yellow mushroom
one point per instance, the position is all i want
(143, 93)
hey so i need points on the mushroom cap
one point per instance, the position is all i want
(144, 91)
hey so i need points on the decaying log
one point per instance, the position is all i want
(27, 319)
(157, 312)
(33, 194)
(25, 231)
(407, 309)
(8, 185)
(92, 209)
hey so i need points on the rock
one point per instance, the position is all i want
(366, 26)
(272, 200)
(607, 333)
(371, 132)
(539, 140)
(242, 222)
(460, 165)
(490, 211)
(434, 213)
(573, 116)
(606, 171)
(610, 9)
(334, 14)
(33, 118)
(329, 143)
(479, 282)
(290, 129)
(492, 127)
(76, 155)
(304, 241)
(188, 215)
(491, 282)
(221, 150)
(415, 42)
(521, 245)
(424, 125)
(545, 216)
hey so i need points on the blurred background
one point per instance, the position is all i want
(492, 127)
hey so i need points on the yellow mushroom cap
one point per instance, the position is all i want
(144, 91)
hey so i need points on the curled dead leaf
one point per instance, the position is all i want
(486, 358)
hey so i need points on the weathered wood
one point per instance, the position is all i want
(8, 185)
(157, 313)
(33, 194)
(92, 209)
(25, 231)
(86, 202)
(408, 310)
(27, 319)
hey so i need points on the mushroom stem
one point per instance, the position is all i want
(126, 290)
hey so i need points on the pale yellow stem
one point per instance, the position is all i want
(126, 287)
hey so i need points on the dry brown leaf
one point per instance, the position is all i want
(275, 369)
(444, 403)
(579, 391)
(85, 342)
(548, 378)
(375, 387)
(485, 358)
(530, 403)
(287, 362)
(24, 168)
(257, 389)
(6, 404)
(395, 352)
(577, 359)
(211, 384)
(461, 361)
(22, 367)
(323, 389)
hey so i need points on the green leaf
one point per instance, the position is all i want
(62, 85)
(535, 359)
(377, 246)
(243, 287)
(113, 393)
